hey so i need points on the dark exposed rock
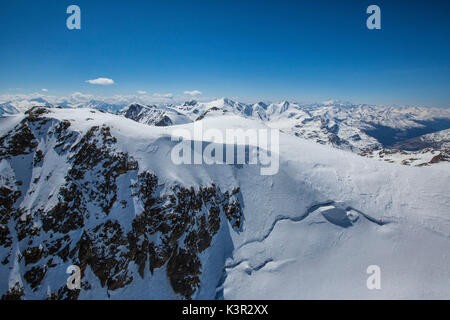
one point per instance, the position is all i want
(164, 121)
(17, 142)
(14, 293)
(38, 156)
(150, 115)
(189, 103)
(35, 275)
(206, 112)
(7, 199)
(32, 254)
(170, 232)
(183, 269)
(64, 293)
(438, 158)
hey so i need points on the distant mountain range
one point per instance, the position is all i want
(361, 128)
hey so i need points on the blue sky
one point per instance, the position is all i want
(247, 49)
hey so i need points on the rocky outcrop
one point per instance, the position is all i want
(150, 115)
(75, 225)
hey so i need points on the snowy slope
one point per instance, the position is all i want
(310, 231)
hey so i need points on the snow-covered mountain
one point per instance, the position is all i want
(346, 126)
(12, 104)
(154, 115)
(20, 105)
(424, 150)
(437, 140)
(100, 191)
(374, 131)
(367, 130)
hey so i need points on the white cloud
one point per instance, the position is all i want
(193, 93)
(142, 92)
(163, 95)
(45, 90)
(102, 81)
(78, 96)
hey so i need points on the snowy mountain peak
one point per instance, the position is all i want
(260, 104)
(190, 103)
(133, 110)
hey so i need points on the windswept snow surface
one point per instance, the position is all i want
(310, 231)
